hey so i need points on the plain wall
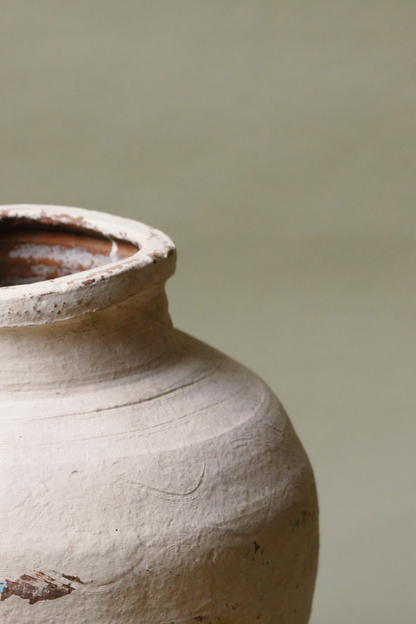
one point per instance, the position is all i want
(275, 143)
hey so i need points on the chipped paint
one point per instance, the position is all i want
(38, 587)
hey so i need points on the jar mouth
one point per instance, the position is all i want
(32, 251)
(58, 262)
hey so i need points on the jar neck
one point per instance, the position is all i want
(109, 344)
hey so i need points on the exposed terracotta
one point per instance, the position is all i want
(160, 472)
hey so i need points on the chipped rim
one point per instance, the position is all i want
(81, 293)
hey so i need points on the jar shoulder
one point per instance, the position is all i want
(195, 395)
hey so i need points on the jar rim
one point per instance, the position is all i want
(85, 291)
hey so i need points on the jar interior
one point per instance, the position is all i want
(32, 251)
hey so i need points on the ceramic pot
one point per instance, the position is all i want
(146, 477)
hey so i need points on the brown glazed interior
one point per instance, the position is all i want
(32, 251)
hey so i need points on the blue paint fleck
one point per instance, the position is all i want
(3, 587)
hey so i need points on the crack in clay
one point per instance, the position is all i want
(162, 394)
(174, 494)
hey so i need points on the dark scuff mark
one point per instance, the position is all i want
(73, 578)
(306, 516)
(256, 547)
(155, 257)
(38, 587)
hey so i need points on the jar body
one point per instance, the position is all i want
(197, 502)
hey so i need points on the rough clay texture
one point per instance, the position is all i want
(146, 477)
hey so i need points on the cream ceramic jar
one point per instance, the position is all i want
(146, 477)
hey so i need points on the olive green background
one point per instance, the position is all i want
(275, 143)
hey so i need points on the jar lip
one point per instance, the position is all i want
(83, 292)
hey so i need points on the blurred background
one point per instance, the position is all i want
(274, 141)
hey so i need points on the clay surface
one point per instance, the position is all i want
(146, 477)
